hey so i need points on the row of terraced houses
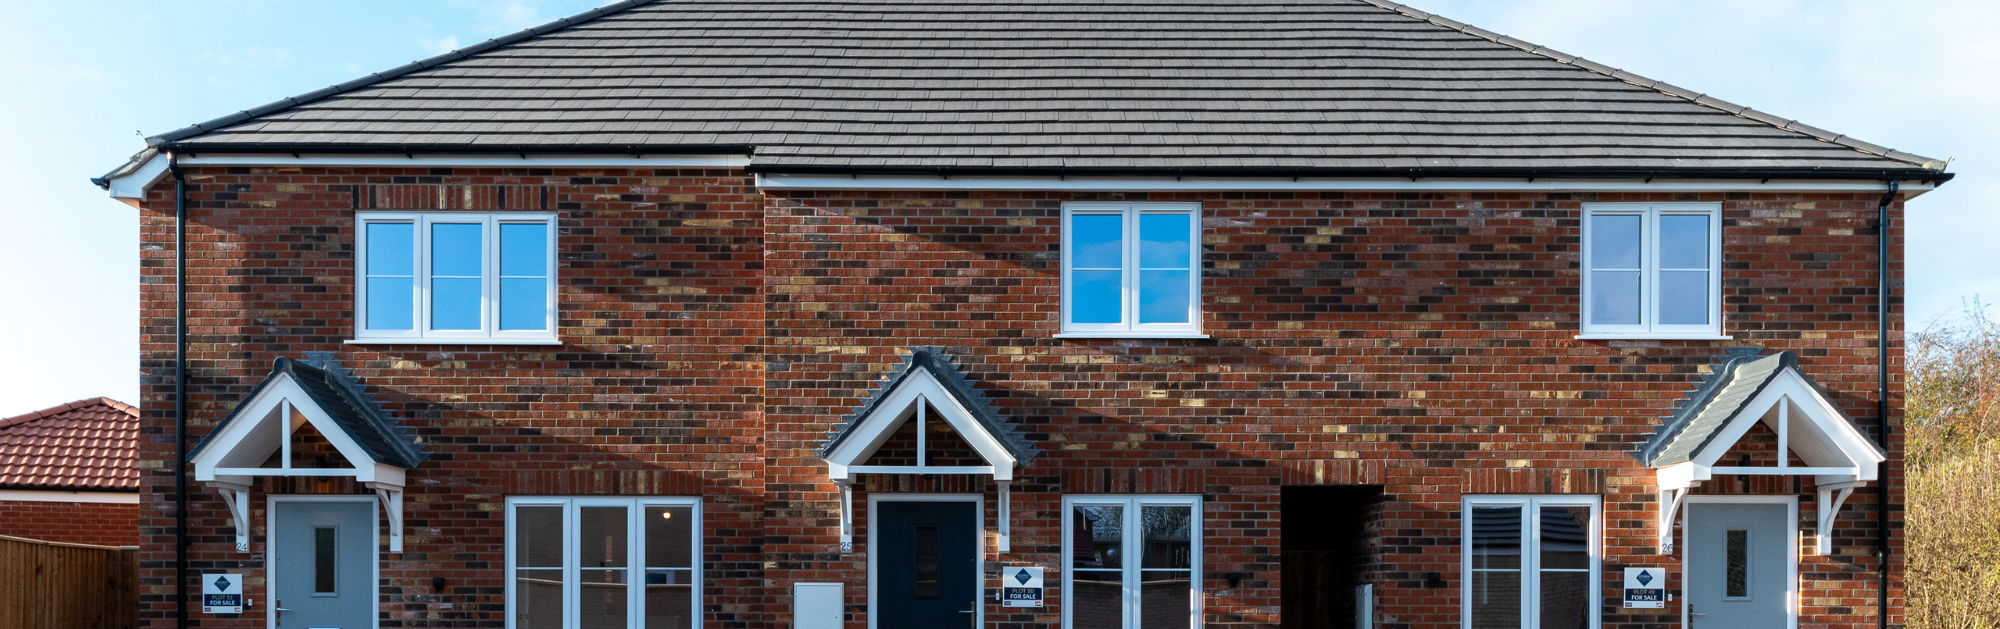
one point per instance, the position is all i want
(785, 314)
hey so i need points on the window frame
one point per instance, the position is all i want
(634, 547)
(1134, 561)
(1531, 560)
(420, 332)
(1129, 325)
(1649, 272)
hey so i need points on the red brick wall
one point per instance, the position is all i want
(101, 524)
(1418, 341)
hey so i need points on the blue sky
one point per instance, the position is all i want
(86, 79)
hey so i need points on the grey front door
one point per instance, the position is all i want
(929, 565)
(1739, 572)
(323, 564)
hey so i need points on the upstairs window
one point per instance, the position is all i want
(456, 277)
(1131, 270)
(1652, 271)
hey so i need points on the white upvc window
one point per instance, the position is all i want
(595, 562)
(1652, 270)
(455, 277)
(1133, 562)
(1131, 270)
(1531, 561)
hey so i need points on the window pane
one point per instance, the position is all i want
(1496, 600)
(1496, 538)
(601, 604)
(1163, 296)
(926, 559)
(524, 304)
(1565, 600)
(538, 537)
(455, 303)
(1167, 542)
(390, 301)
(524, 250)
(1565, 538)
(1683, 242)
(1163, 241)
(1097, 241)
(1614, 241)
(1098, 601)
(1165, 600)
(391, 249)
(1684, 297)
(1614, 297)
(455, 250)
(538, 599)
(324, 559)
(601, 531)
(1098, 536)
(669, 537)
(1736, 565)
(1096, 297)
(669, 599)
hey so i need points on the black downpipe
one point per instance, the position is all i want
(180, 397)
(1882, 400)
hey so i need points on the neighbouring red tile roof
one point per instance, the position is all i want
(88, 444)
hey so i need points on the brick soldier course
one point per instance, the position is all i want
(715, 327)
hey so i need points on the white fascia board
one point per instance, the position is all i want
(1229, 184)
(131, 188)
(100, 497)
(526, 160)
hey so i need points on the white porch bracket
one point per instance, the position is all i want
(1831, 495)
(392, 506)
(846, 516)
(1005, 545)
(1671, 500)
(237, 497)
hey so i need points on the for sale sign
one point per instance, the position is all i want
(222, 593)
(1645, 588)
(1021, 586)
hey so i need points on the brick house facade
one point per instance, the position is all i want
(1373, 358)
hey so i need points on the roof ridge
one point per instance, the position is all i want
(1663, 87)
(66, 407)
(378, 77)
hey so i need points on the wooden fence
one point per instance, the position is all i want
(47, 585)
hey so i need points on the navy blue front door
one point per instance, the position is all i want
(928, 567)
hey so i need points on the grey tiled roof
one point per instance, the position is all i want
(1076, 85)
(334, 389)
(954, 381)
(1707, 409)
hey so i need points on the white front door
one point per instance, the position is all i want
(1739, 565)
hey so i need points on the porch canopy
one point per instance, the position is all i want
(308, 419)
(926, 387)
(1742, 392)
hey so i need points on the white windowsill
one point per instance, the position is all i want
(1655, 337)
(1131, 335)
(426, 341)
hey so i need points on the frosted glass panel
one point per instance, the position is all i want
(1614, 297)
(1684, 297)
(1614, 242)
(1163, 296)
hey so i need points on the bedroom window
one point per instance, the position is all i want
(458, 277)
(1131, 270)
(1652, 271)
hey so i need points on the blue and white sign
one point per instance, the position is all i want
(222, 593)
(1645, 588)
(1021, 586)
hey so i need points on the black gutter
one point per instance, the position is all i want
(1882, 399)
(1875, 174)
(193, 149)
(180, 396)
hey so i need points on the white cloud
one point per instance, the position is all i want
(440, 45)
